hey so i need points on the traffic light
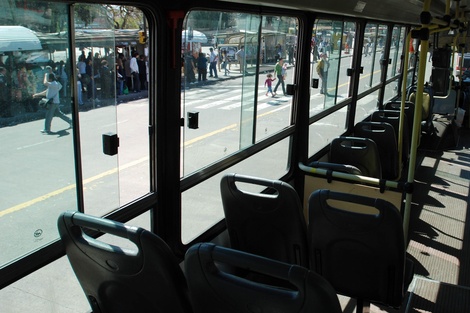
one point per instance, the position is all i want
(142, 37)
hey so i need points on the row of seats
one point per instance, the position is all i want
(149, 278)
(362, 255)
(275, 260)
(374, 147)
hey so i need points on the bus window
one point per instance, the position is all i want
(331, 49)
(393, 70)
(59, 158)
(224, 78)
(374, 38)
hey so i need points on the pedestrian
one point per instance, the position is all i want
(79, 89)
(93, 74)
(290, 52)
(189, 68)
(127, 71)
(63, 77)
(142, 63)
(213, 59)
(120, 76)
(5, 107)
(201, 67)
(225, 62)
(278, 71)
(269, 83)
(52, 93)
(322, 71)
(240, 54)
(134, 66)
(107, 80)
(24, 88)
(81, 67)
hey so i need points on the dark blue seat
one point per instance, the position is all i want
(393, 118)
(214, 287)
(383, 134)
(409, 113)
(117, 279)
(359, 152)
(357, 243)
(269, 224)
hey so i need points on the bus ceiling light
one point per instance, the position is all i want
(360, 5)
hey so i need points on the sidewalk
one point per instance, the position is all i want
(234, 73)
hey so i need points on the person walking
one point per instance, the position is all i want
(280, 76)
(225, 62)
(52, 93)
(269, 83)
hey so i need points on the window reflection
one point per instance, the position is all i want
(227, 57)
(37, 155)
(331, 56)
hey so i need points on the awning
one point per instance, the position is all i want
(197, 36)
(18, 38)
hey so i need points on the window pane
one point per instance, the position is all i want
(331, 47)
(372, 53)
(112, 104)
(365, 106)
(202, 205)
(38, 169)
(228, 95)
(323, 131)
(396, 48)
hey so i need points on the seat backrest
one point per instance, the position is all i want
(409, 113)
(393, 118)
(361, 254)
(359, 152)
(267, 224)
(117, 279)
(383, 134)
(214, 288)
(427, 104)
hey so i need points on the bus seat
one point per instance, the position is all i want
(359, 152)
(427, 107)
(409, 113)
(383, 134)
(446, 105)
(120, 279)
(363, 255)
(393, 118)
(214, 288)
(427, 112)
(270, 225)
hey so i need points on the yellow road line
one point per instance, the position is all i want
(70, 187)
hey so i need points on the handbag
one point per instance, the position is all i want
(44, 103)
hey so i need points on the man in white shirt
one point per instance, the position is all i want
(52, 92)
(135, 72)
(213, 58)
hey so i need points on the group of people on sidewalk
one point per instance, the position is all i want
(193, 65)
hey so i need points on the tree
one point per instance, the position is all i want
(125, 17)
